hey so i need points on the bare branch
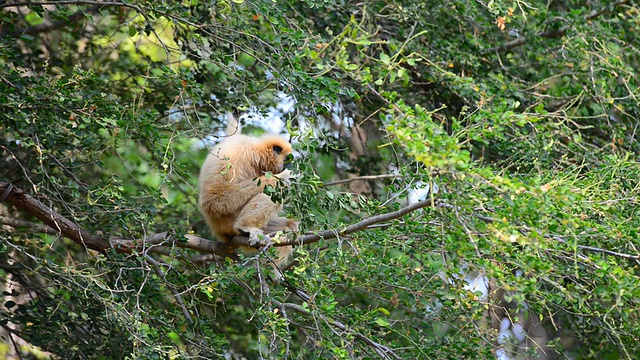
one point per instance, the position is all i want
(606, 9)
(76, 233)
(599, 250)
(551, 34)
(67, 2)
(169, 239)
(57, 224)
(64, 226)
(525, 230)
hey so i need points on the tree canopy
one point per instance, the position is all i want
(467, 179)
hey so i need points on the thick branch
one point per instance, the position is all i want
(77, 234)
(73, 231)
(64, 226)
(167, 239)
(223, 249)
(58, 224)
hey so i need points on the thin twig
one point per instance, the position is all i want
(382, 351)
(367, 177)
(361, 225)
(19, 223)
(597, 249)
(157, 267)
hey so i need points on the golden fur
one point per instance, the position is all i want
(232, 180)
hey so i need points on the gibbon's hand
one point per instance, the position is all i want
(285, 176)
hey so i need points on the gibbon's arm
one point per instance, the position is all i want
(222, 198)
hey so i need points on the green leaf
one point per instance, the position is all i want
(384, 58)
(26, 37)
(383, 310)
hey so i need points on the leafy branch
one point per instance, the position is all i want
(552, 34)
(157, 243)
(382, 351)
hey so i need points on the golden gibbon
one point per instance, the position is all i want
(232, 181)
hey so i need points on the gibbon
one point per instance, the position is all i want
(232, 181)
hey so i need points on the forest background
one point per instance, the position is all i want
(467, 185)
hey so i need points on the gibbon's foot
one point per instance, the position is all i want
(255, 237)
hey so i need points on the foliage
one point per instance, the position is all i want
(522, 115)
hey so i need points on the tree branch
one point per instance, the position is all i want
(76, 233)
(64, 226)
(157, 267)
(361, 225)
(18, 223)
(525, 230)
(73, 231)
(168, 239)
(67, 2)
(73, 18)
(597, 249)
(58, 224)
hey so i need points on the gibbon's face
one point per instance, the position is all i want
(278, 153)
(284, 156)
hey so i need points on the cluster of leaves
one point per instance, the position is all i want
(522, 115)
